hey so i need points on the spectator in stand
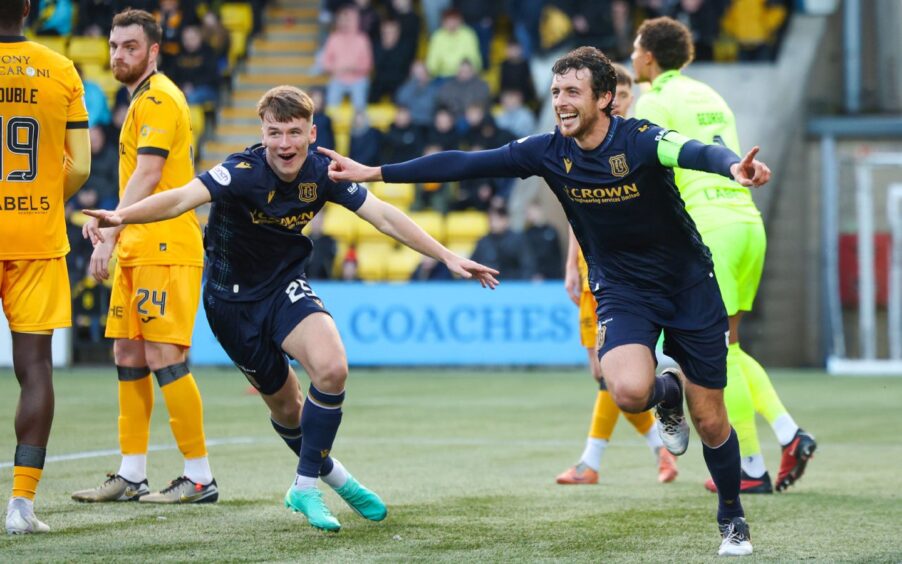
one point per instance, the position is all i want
(504, 249)
(104, 177)
(51, 17)
(526, 15)
(465, 89)
(432, 195)
(432, 11)
(325, 135)
(325, 249)
(402, 10)
(487, 135)
(348, 58)
(702, 17)
(443, 133)
(217, 37)
(349, 270)
(545, 244)
(480, 15)
(369, 19)
(195, 69)
(430, 270)
(95, 17)
(172, 18)
(418, 94)
(391, 62)
(754, 24)
(593, 25)
(404, 141)
(366, 141)
(95, 102)
(514, 116)
(473, 116)
(515, 73)
(450, 45)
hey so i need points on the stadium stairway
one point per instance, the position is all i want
(283, 53)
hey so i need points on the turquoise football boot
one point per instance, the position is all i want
(363, 501)
(310, 502)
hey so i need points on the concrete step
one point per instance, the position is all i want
(298, 13)
(257, 81)
(292, 61)
(292, 46)
(246, 131)
(233, 113)
(279, 27)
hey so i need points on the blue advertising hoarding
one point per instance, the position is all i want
(441, 323)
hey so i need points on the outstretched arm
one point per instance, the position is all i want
(446, 166)
(157, 207)
(392, 221)
(678, 150)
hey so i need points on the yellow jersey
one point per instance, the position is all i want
(158, 123)
(41, 96)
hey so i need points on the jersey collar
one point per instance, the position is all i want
(143, 85)
(664, 78)
(12, 38)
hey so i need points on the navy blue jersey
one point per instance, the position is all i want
(253, 238)
(623, 205)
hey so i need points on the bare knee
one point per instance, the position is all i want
(129, 353)
(330, 376)
(630, 398)
(161, 355)
(286, 411)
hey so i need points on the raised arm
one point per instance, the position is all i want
(392, 221)
(446, 166)
(158, 207)
(678, 150)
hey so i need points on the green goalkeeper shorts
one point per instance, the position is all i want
(738, 252)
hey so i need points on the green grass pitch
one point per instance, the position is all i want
(466, 461)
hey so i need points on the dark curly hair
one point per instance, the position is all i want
(669, 41)
(604, 77)
(12, 12)
(145, 20)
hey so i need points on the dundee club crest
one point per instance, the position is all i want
(307, 191)
(618, 164)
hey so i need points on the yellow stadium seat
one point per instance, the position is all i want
(466, 225)
(340, 223)
(372, 260)
(237, 47)
(463, 247)
(402, 263)
(89, 51)
(381, 115)
(400, 195)
(237, 16)
(198, 122)
(342, 117)
(341, 251)
(432, 222)
(57, 44)
(109, 85)
(93, 71)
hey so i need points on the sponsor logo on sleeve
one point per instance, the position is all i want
(221, 175)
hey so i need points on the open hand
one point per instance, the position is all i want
(466, 268)
(749, 172)
(100, 219)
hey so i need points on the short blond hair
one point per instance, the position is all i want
(285, 103)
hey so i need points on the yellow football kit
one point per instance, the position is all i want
(41, 97)
(156, 285)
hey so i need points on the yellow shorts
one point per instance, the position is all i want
(588, 322)
(35, 294)
(155, 303)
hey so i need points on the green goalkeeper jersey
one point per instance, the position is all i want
(695, 110)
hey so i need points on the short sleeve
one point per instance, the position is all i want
(222, 178)
(77, 112)
(348, 194)
(155, 119)
(527, 154)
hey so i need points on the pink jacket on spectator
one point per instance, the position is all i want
(348, 57)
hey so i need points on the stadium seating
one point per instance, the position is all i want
(198, 123)
(432, 222)
(57, 44)
(237, 16)
(466, 226)
(372, 259)
(401, 264)
(89, 51)
(399, 195)
(341, 224)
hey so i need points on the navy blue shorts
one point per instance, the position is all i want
(694, 321)
(251, 333)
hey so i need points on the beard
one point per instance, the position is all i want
(129, 74)
(586, 122)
